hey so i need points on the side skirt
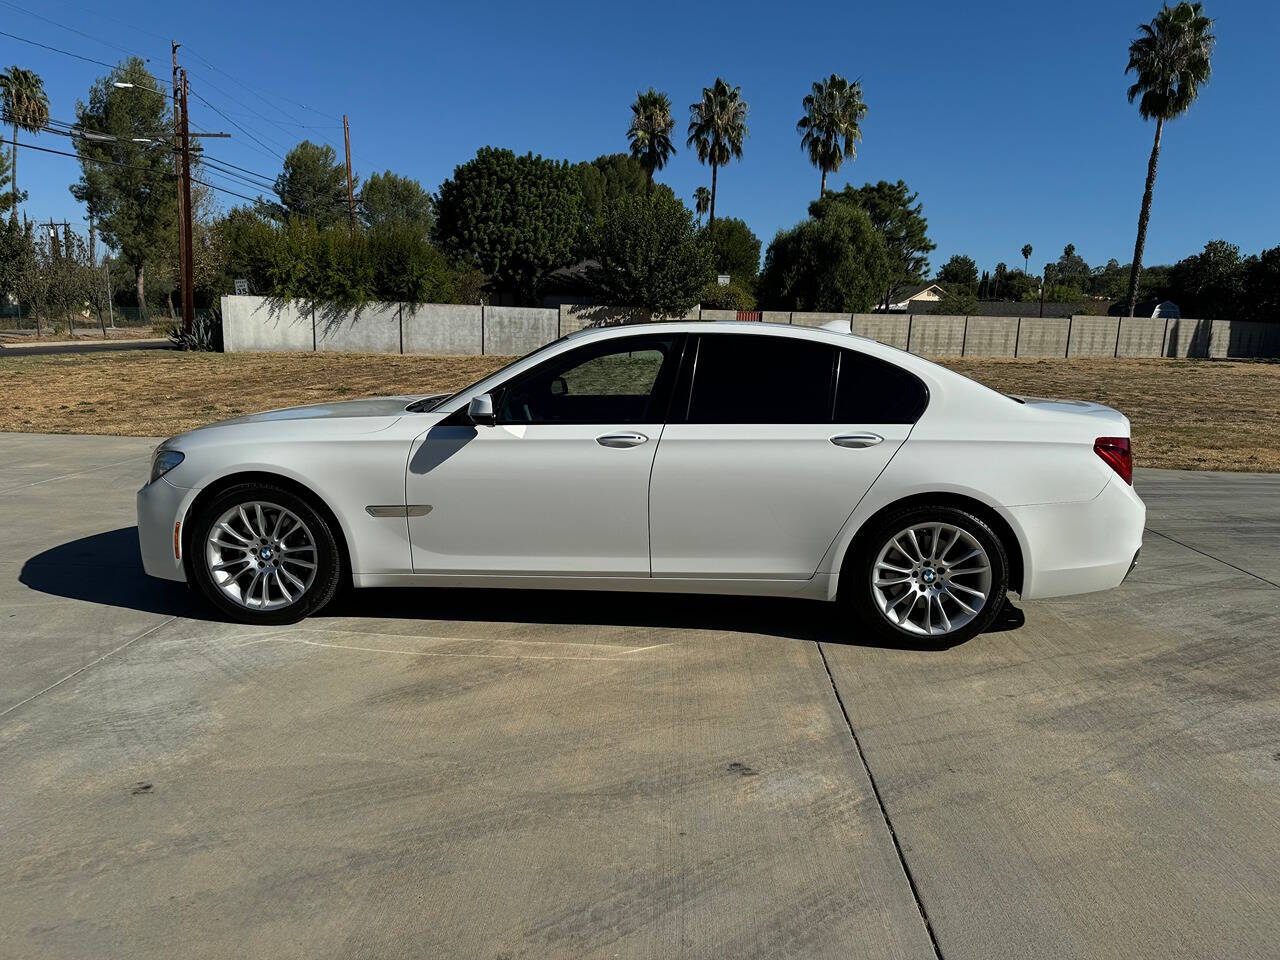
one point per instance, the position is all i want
(819, 587)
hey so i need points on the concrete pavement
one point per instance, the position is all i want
(507, 774)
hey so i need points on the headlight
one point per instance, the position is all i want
(164, 461)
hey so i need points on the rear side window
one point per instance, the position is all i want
(750, 378)
(871, 390)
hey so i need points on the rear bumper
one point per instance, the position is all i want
(161, 505)
(1081, 547)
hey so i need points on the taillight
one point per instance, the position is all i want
(1115, 451)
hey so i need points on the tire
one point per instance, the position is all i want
(251, 551)
(908, 552)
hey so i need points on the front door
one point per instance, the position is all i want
(780, 439)
(559, 484)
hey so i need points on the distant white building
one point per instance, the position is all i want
(920, 293)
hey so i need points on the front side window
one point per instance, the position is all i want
(753, 378)
(616, 381)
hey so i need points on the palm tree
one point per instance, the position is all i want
(1170, 59)
(25, 106)
(701, 202)
(832, 114)
(1026, 258)
(650, 131)
(717, 127)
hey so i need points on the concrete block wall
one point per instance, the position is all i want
(514, 331)
(258, 323)
(1042, 336)
(1093, 336)
(263, 324)
(374, 328)
(442, 328)
(1244, 338)
(1187, 338)
(883, 327)
(1141, 337)
(937, 336)
(991, 337)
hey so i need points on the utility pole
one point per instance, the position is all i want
(55, 250)
(93, 253)
(351, 195)
(177, 120)
(184, 191)
(111, 312)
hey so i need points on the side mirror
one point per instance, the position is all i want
(480, 409)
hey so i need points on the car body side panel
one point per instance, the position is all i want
(756, 500)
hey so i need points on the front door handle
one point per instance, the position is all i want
(622, 440)
(856, 440)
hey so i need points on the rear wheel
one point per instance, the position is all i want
(929, 573)
(262, 554)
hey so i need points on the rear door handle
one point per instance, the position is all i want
(856, 440)
(622, 440)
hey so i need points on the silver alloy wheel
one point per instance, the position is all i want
(931, 579)
(261, 556)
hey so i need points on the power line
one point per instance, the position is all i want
(81, 33)
(77, 56)
(235, 124)
(132, 166)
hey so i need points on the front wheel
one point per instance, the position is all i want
(264, 555)
(936, 574)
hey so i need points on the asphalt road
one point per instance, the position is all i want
(12, 349)
(518, 775)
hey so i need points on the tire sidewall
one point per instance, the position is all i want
(328, 562)
(856, 576)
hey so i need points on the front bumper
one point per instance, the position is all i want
(1084, 546)
(161, 506)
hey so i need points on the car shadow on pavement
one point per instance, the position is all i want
(106, 568)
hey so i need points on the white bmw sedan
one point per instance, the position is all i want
(730, 458)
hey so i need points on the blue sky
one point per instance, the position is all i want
(1010, 119)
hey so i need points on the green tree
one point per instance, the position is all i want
(24, 105)
(389, 200)
(127, 177)
(1072, 268)
(650, 254)
(15, 253)
(1209, 285)
(517, 218)
(313, 184)
(1108, 281)
(735, 250)
(608, 177)
(898, 215)
(1170, 60)
(1262, 286)
(1027, 250)
(9, 198)
(836, 261)
(650, 131)
(831, 125)
(960, 272)
(717, 129)
(701, 202)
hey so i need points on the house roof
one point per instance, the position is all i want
(914, 291)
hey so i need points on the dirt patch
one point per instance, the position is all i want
(1194, 414)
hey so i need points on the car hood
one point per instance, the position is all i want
(345, 409)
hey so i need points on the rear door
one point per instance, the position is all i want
(771, 443)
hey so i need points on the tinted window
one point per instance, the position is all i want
(618, 381)
(745, 378)
(874, 391)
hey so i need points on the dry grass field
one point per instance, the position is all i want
(1193, 414)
